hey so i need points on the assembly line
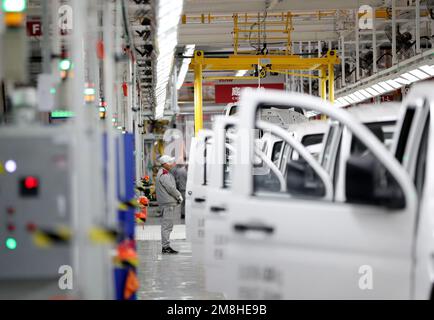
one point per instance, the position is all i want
(243, 150)
(298, 238)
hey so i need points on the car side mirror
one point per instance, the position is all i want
(302, 180)
(368, 182)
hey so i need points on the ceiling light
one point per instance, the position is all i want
(346, 100)
(402, 81)
(379, 89)
(409, 77)
(385, 86)
(342, 102)
(188, 51)
(419, 74)
(373, 91)
(168, 16)
(350, 98)
(241, 73)
(359, 95)
(355, 97)
(365, 93)
(428, 69)
(394, 84)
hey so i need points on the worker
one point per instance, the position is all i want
(180, 173)
(168, 197)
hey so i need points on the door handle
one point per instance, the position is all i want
(253, 227)
(200, 200)
(217, 209)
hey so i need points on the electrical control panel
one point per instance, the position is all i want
(35, 202)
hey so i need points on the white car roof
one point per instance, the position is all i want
(388, 111)
(309, 127)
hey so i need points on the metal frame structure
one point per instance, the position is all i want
(273, 63)
(317, 31)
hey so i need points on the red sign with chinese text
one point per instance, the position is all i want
(227, 93)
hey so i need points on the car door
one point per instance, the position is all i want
(196, 192)
(380, 120)
(350, 145)
(413, 146)
(220, 187)
(424, 178)
(306, 248)
(191, 184)
(216, 221)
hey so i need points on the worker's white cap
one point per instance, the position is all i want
(166, 159)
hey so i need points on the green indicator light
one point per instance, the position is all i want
(53, 91)
(62, 114)
(14, 5)
(11, 243)
(65, 65)
(89, 91)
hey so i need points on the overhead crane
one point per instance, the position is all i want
(271, 63)
(281, 26)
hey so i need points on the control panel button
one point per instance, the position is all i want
(29, 186)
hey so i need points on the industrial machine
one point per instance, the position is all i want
(35, 200)
(35, 195)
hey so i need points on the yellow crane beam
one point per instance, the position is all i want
(277, 62)
(274, 63)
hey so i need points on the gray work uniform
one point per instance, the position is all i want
(167, 198)
(180, 174)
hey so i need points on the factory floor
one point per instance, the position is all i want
(164, 277)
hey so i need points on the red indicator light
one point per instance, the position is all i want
(29, 186)
(31, 183)
(10, 210)
(11, 228)
(31, 227)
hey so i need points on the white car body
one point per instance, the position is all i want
(216, 221)
(196, 195)
(310, 135)
(196, 192)
(340, 139)
(413, 146)
(305, 248)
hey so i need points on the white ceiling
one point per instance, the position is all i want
(220, 34)
(230, 6)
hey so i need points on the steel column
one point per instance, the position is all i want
(198, 108)
(343, 61)
(394, 53)
(46, 38)
(323, 79)
(418, 26)
(357, 45)
(310, 72)
(374, 43)
(331, 82)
